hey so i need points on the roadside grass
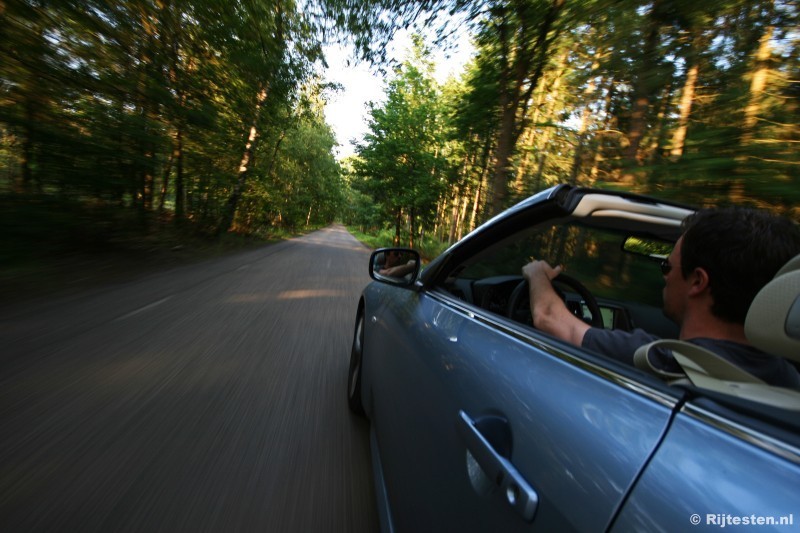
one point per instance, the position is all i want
(428, 248)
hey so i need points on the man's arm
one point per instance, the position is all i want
(550, 313)
(399, 271)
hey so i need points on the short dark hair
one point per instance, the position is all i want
(741, 249)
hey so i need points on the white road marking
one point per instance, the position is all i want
(142, 309)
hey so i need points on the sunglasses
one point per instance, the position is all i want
(666, 267)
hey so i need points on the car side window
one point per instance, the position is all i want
(626, 285)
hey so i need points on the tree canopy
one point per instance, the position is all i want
(401, 162)
(212, 112)
(167, 106)
(690, 101)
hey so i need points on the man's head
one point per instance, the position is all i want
(739, 250)
(392, 258)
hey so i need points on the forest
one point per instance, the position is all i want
(127, 117)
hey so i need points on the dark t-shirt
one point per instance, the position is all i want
(621, 345)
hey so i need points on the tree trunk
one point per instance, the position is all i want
(757, 85)
(35, 101)
(462, 215)
(586, 117)
(28, 147)
(525, 166)
(165, 181)
(599, 153)
(454, 216)
(398, 225)
(244, 166)
(274, 158)
(483, 183)
(179, 193)
(412, 221)
(688, 94)
(147, 114)
(687, 99)
(517, 83)
(642, 93)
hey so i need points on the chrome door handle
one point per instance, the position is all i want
(514, 488)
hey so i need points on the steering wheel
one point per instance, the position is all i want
(520, 295)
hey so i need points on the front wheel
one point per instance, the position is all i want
(354, 375)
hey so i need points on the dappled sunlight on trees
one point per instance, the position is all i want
(209, 115)
(175, 108)
(692, 101)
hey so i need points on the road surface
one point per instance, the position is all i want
(204, 398)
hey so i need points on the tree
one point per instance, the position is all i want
(400, 162)
(156, 106)
(525, 32)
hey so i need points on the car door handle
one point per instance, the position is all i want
(515, 489)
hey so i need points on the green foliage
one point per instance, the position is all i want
(429, 248)
(149, 106)
(303, 185)
(401, 164)
(690, 101)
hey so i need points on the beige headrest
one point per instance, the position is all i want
(773, 320)
(793, 264)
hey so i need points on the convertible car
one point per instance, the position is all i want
(479, 422)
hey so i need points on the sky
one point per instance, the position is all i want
(346, 110)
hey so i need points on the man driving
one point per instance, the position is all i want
(718, 265)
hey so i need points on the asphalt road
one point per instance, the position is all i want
(204, 398)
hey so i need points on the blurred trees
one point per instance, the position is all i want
(191, 108)
(692, 101)
(401, 161)
(210, 110)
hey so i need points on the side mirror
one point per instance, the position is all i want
(397, 266)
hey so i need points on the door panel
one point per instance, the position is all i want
(708, 470)
(578, 439)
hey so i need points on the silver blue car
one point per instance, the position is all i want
(479, 422)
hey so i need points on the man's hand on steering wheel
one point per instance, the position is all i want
(540, 272)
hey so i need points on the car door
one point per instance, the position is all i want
(485, 425)
(719, 469)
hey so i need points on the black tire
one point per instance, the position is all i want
(354, 375)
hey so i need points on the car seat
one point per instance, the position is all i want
(772, 325)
